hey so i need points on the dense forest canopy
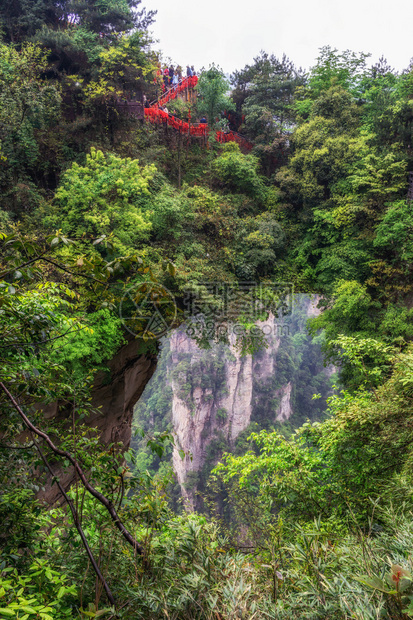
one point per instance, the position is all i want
(309, 522)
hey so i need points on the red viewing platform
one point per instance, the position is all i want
(155, 114)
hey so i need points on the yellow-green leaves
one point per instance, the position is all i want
(108, 194)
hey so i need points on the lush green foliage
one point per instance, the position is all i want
(238, 172)
(309, 522)
(105, 196)
(213, 87)
(264, 98)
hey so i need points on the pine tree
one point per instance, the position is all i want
(21, 19)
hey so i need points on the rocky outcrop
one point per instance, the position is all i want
(198, 415)
(284, 410)
(114, 394)
(222, 406)
(210, 396)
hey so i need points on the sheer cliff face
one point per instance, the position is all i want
(218, 396)
(217, 393)
(209, 397)
(114, 395)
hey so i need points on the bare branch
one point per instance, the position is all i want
(96, 494)
(79, 529)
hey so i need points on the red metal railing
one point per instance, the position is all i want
(176, 89)
(154, 114)
(233, 136)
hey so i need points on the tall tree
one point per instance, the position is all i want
(264, 95)
(21, 19)
(212, 87)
